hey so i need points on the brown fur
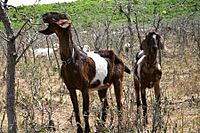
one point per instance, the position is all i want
(78, 70)
(150, 72)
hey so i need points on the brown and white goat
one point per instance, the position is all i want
(94, 70)
(147, 72)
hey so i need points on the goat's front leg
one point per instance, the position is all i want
(85, 94)
(157, 116)
(144, 103)
(103, 99)
(157, 92)
(137, 94)
(74, 100)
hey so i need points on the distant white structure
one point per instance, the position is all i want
(86, 48)
(84, 32)
(44, 52)
(127, 46)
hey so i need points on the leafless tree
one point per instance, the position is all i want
(128, 16)
(10, 75)
(11, 62)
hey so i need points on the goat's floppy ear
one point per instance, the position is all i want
(161, 42)
(64, 23)
(46, 31)
(143, 44)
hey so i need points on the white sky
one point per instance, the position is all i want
(31, 2)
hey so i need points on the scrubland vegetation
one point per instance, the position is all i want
(42, 97)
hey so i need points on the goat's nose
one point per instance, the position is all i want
(44, 18)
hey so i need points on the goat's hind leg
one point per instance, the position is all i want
(157, 97)
(85, 94)
(118, 94)
(103, 99)
(74, 100)
(157, 108)
(157, 93)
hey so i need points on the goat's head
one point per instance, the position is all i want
(56, 22)
(151, 43)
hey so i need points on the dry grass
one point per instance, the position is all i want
(41, 95)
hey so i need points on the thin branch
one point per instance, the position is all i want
(19, 57)
(54, 52)
(79, 43)
(107, 25)
(19, 32)
(3, 33)
(3, 36)
(122, 11)
(137, 28)
(31, 42)
(5, 1)
(3, 118)
(4, 50)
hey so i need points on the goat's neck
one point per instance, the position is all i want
(152, 59)
(66, 45)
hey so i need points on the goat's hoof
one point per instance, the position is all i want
(87, 130)
(136, 120)
(79, 130)
(145, 122)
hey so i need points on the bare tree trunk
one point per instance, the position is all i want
(128, 16)
(10, 75)
(137, 28)
(130, 22)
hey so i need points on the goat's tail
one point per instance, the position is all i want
(127, 70)
(113, 58)
(118, 60)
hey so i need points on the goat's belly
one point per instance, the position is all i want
(99, 87)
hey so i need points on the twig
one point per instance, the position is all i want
(79, 43)
(3, 37)
(107, 25)
(31, 42)
(54, 52)
(17, 60)
(137, 28)
(19, 32)
(4, 114)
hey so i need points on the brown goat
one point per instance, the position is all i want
(147, 72)
(85, 71)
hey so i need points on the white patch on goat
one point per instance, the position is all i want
(73, 53)
(139, 65)
(101, 67)
(140, 53)
(158, 66)
(154, 36)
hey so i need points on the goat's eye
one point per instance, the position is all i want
(53, 19)
(62, 16)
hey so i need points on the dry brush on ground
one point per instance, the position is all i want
(42, 98)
